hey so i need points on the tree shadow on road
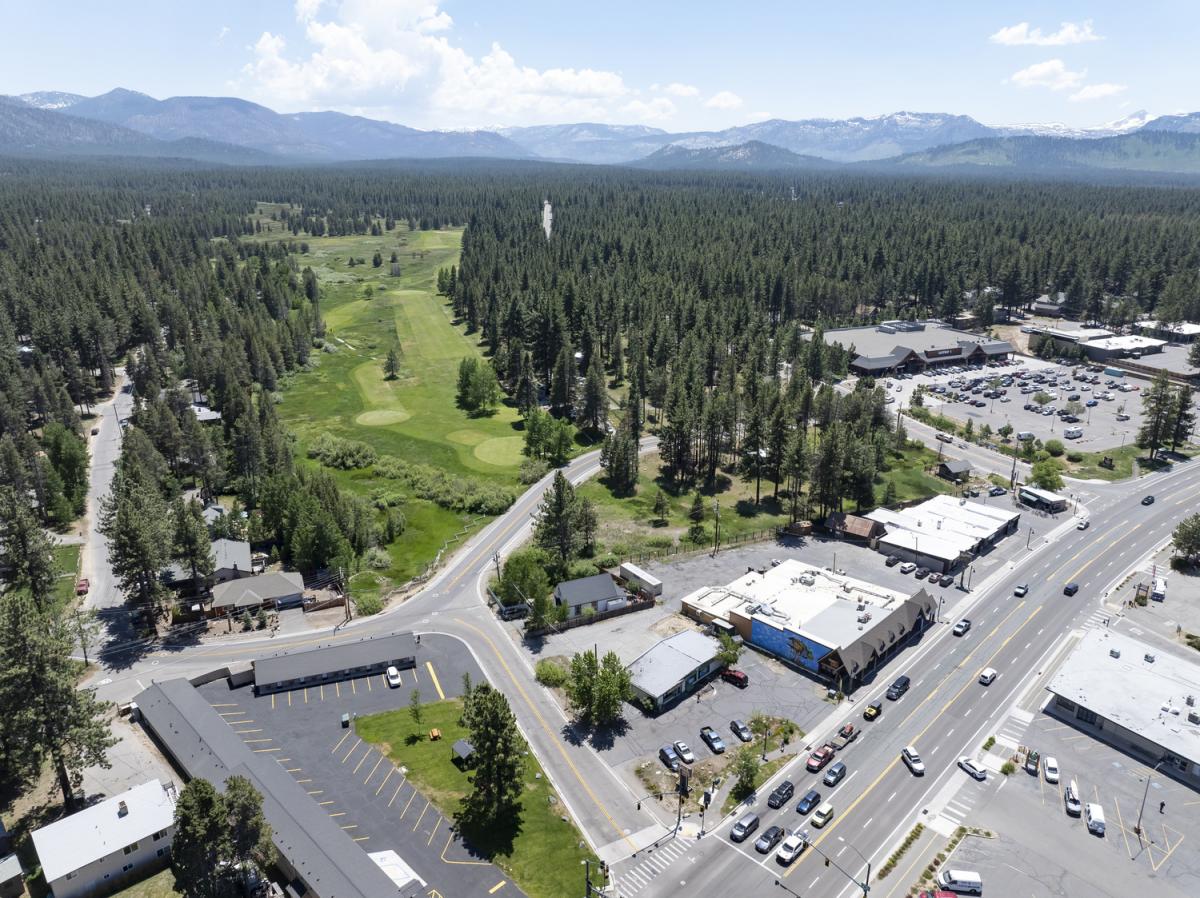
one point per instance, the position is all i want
(601, 738)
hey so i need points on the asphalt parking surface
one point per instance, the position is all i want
(369, 796)
(1040, 850)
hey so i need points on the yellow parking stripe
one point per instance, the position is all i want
(350, 826)
(436, 684)
(289, 699)
(386, 777)
(361, 838)
(259, 730)
(260, 750)
(353, 688)
(306, 695)
(230, 713)
(373, 769)
(410, 801)
(224, 704)
(340, 741)
(352, 751)
(323, 803)
(363, 760)
(394, 794)
(338, 814)
(255, 741)
(434, 830)
(423, 810)
(497, 887)
(369, 679)
(272, 701)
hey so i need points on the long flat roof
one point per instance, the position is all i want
(204, 745)
(1181, 328)
(1130, 342)
(945, 521)
(890, 340)
(1146, 697)
(96, 832)
(285, 667)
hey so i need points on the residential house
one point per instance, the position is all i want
(231, 560)
(852, 526)
(954, 469)
(278, 589)
(109, 845)
(598, 593)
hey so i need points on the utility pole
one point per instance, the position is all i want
(496, 561)
(1012, 479)
(717, 525)
(1138, 826)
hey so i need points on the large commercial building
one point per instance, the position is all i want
(836, 627)
(103, 848)
(943, 532)
(912, 346)
(1136, 697)
(331, 663)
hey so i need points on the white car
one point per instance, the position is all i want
(972, 769)
(793, 846)
(913, 760)
(685, 752)
(1050, 768)
(988, 676)
(393, 677)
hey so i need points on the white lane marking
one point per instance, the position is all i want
(890, 797)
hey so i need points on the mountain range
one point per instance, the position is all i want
(232, 130)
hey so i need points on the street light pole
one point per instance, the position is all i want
(1138, 827)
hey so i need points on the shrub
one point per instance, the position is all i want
(335, 452)
(1075, 457)
(455, 493)
(1055, 447)
(1009, 768)
(377, 558)
(533, 470)
(987, 745)
(368, 604)
(550, 673)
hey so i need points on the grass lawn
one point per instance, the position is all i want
(544, 859)
(413, 417)
(66, 562)
(160, 885)
(907, 473)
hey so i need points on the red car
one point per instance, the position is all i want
(819, 758)
(736, 677)
(82, 587)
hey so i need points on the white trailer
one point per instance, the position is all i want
(639, 580)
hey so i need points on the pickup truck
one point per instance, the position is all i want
(847, 734)
(713, 740)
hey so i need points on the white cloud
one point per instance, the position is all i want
(1053, 73)
(1097, 91)
(397, 59)
(675, 89)
(1068, 33)
(222, 33)
(724, 99)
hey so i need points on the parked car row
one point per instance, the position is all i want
(679, 752)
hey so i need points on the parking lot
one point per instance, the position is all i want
(1041, 850)
(369, 796)
(961, 395)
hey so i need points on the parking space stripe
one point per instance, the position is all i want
(255, 741)
(497, 887)
(422, 815)
(323, 803)
(231, 713)
(361, 838)
(338, 814)
(337, 687)
(261, 750)
(353, 688)
(429, 841)
(258, 730)
(294, 769)
(366, 754)
(322, 692)
(410, 801)
(386, 777)
(433, 676)
(350, 826)
(272, 701)
(369, 679)
(340, 741)
(373, 769)
(352, 751)
(224, 704)
(316, 791)
(394, 794)
(304, 781)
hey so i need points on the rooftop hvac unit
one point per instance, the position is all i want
(863, 607)
(807, 579)
(1114, 653)
(1190, 701)
(1193, 717)
(1148, 658)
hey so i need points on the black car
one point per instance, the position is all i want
(809, 802)
(1071, 588)
(898, 688)
(892, 560)
(944, 580)
(1149, 500)
(922, 573)
(782, 795)
(769, 839)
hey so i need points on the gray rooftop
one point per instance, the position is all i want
(881, 346)
(1146, 697)
(228, 554)
(288, 666)
(203, 745)
(587, 590)
(956, 465)
(10, 868)
(253, 591)
(666, 663)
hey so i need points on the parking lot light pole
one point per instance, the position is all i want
(1145, 792)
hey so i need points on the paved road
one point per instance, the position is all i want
(453, 603)
(105, 449)
(946, 713)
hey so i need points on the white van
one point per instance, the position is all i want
(1025, 435)
(1093, 814)
(1073, 433)
(967, 882)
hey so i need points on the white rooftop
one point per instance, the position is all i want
(1182, 328)
(1146, 697)
(395, 867)
(799, 597)
(667, 662)
(96, 832)
(944, 526)
(1133, 341)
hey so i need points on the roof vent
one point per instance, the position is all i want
(1114, 653)
(1193, 717)
(1148, 658)
(122, 809)
(1190, 701)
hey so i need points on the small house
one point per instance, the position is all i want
(955, 470)
(597, 593)
(852, 526)
(231, 560)
(279, 589)
(672, 668)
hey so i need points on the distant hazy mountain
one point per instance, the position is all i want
(1188, 123)
(317, 136)
(1124, 125)
(754, 155)
(1141, 151)
(588, 141)
(51, 99)
(27, 131)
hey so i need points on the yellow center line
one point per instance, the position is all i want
(497, 887)
(433, 676)
(555, 739)
(834, 823)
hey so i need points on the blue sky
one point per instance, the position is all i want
(676, 65)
